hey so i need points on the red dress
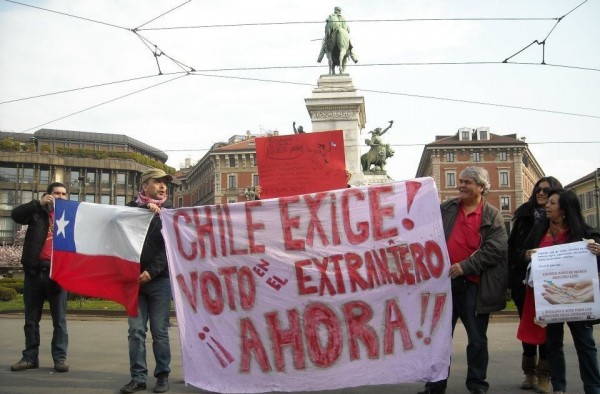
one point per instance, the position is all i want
(528, 331)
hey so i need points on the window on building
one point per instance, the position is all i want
(105, 199)
(465, 135)
(483, 134)
(73, 196)
(476, 156)
(179, 202)
(450, 156)
(581, 198)
(105, 179)
(90, 178)
(8, 174)
(450, 179)
(74, 177)
(503, 156)
(8, 199)
(591, 220)
(504, 178)
(120, 200)
(90, 198)
(26, 196)
(26, 175)
(589, 200)
(44, 175)
(231, 161)
(505, 203)
(255, 180)
(231, 182)
(253, 160)
(120, 178)
(7, 227)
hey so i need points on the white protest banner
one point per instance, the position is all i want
(313, 292)
(565, 283)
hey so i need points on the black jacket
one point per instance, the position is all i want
(154, 255)
(524, 220)
(36, 217)
(540, 229)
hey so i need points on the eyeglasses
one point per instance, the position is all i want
(545, 190)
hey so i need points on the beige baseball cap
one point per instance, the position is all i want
(156, 173)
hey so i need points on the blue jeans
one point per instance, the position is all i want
(464, 307)
(155, 305)
(583, 339)
(37, 289)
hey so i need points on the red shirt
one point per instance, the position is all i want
(465, 237)
(46, 253)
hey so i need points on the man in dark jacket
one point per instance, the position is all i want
(38, 215)
(477, 246)
(154, 299)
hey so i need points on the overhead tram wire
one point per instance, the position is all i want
(69, 15)
(105, 102)
(161, 15)
(409, 95)
(84, 87)
(543, 42)
(254, 24)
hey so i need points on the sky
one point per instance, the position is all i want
(431, 66)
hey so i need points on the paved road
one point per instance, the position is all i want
(99, 360)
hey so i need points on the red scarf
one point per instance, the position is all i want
(142, 200)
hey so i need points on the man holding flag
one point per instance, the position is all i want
(38, 215)
(154, 299)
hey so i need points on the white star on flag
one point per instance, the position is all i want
(62, 223)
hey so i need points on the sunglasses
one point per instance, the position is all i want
(545, 190)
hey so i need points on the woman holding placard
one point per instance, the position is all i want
(565, 224)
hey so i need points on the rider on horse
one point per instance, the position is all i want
(335, 21)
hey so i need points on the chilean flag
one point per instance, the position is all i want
(97, 248)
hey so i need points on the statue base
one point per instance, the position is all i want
(376, 177)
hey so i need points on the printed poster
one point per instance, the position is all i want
(565, 279)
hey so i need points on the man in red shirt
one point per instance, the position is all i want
(38, 215)
(477, 246)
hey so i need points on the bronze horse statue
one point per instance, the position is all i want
(338, 49)
(377, 157)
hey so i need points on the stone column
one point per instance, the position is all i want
(334, 105)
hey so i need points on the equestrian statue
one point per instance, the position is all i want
(378, 153)
(336, 44)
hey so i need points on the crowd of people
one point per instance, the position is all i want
(484, 263)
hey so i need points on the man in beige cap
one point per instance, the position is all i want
(154, 297)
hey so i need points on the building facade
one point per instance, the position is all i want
(588, 191)
(226, 174)
(512, 167)
(95, 167)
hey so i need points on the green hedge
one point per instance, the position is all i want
(14, 285)
(7, 294)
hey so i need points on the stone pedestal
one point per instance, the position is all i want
(375, 177)
(334, 105)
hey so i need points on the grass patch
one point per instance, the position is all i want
(87, 304)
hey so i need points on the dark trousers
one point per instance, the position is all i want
(37, 289)
(583, 339)
(464, 307)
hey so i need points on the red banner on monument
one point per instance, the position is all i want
(301, 163)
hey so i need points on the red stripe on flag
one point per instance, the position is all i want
(107, 277)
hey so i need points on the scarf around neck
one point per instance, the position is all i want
(142, 200)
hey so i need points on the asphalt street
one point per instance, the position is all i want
(99, 361)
